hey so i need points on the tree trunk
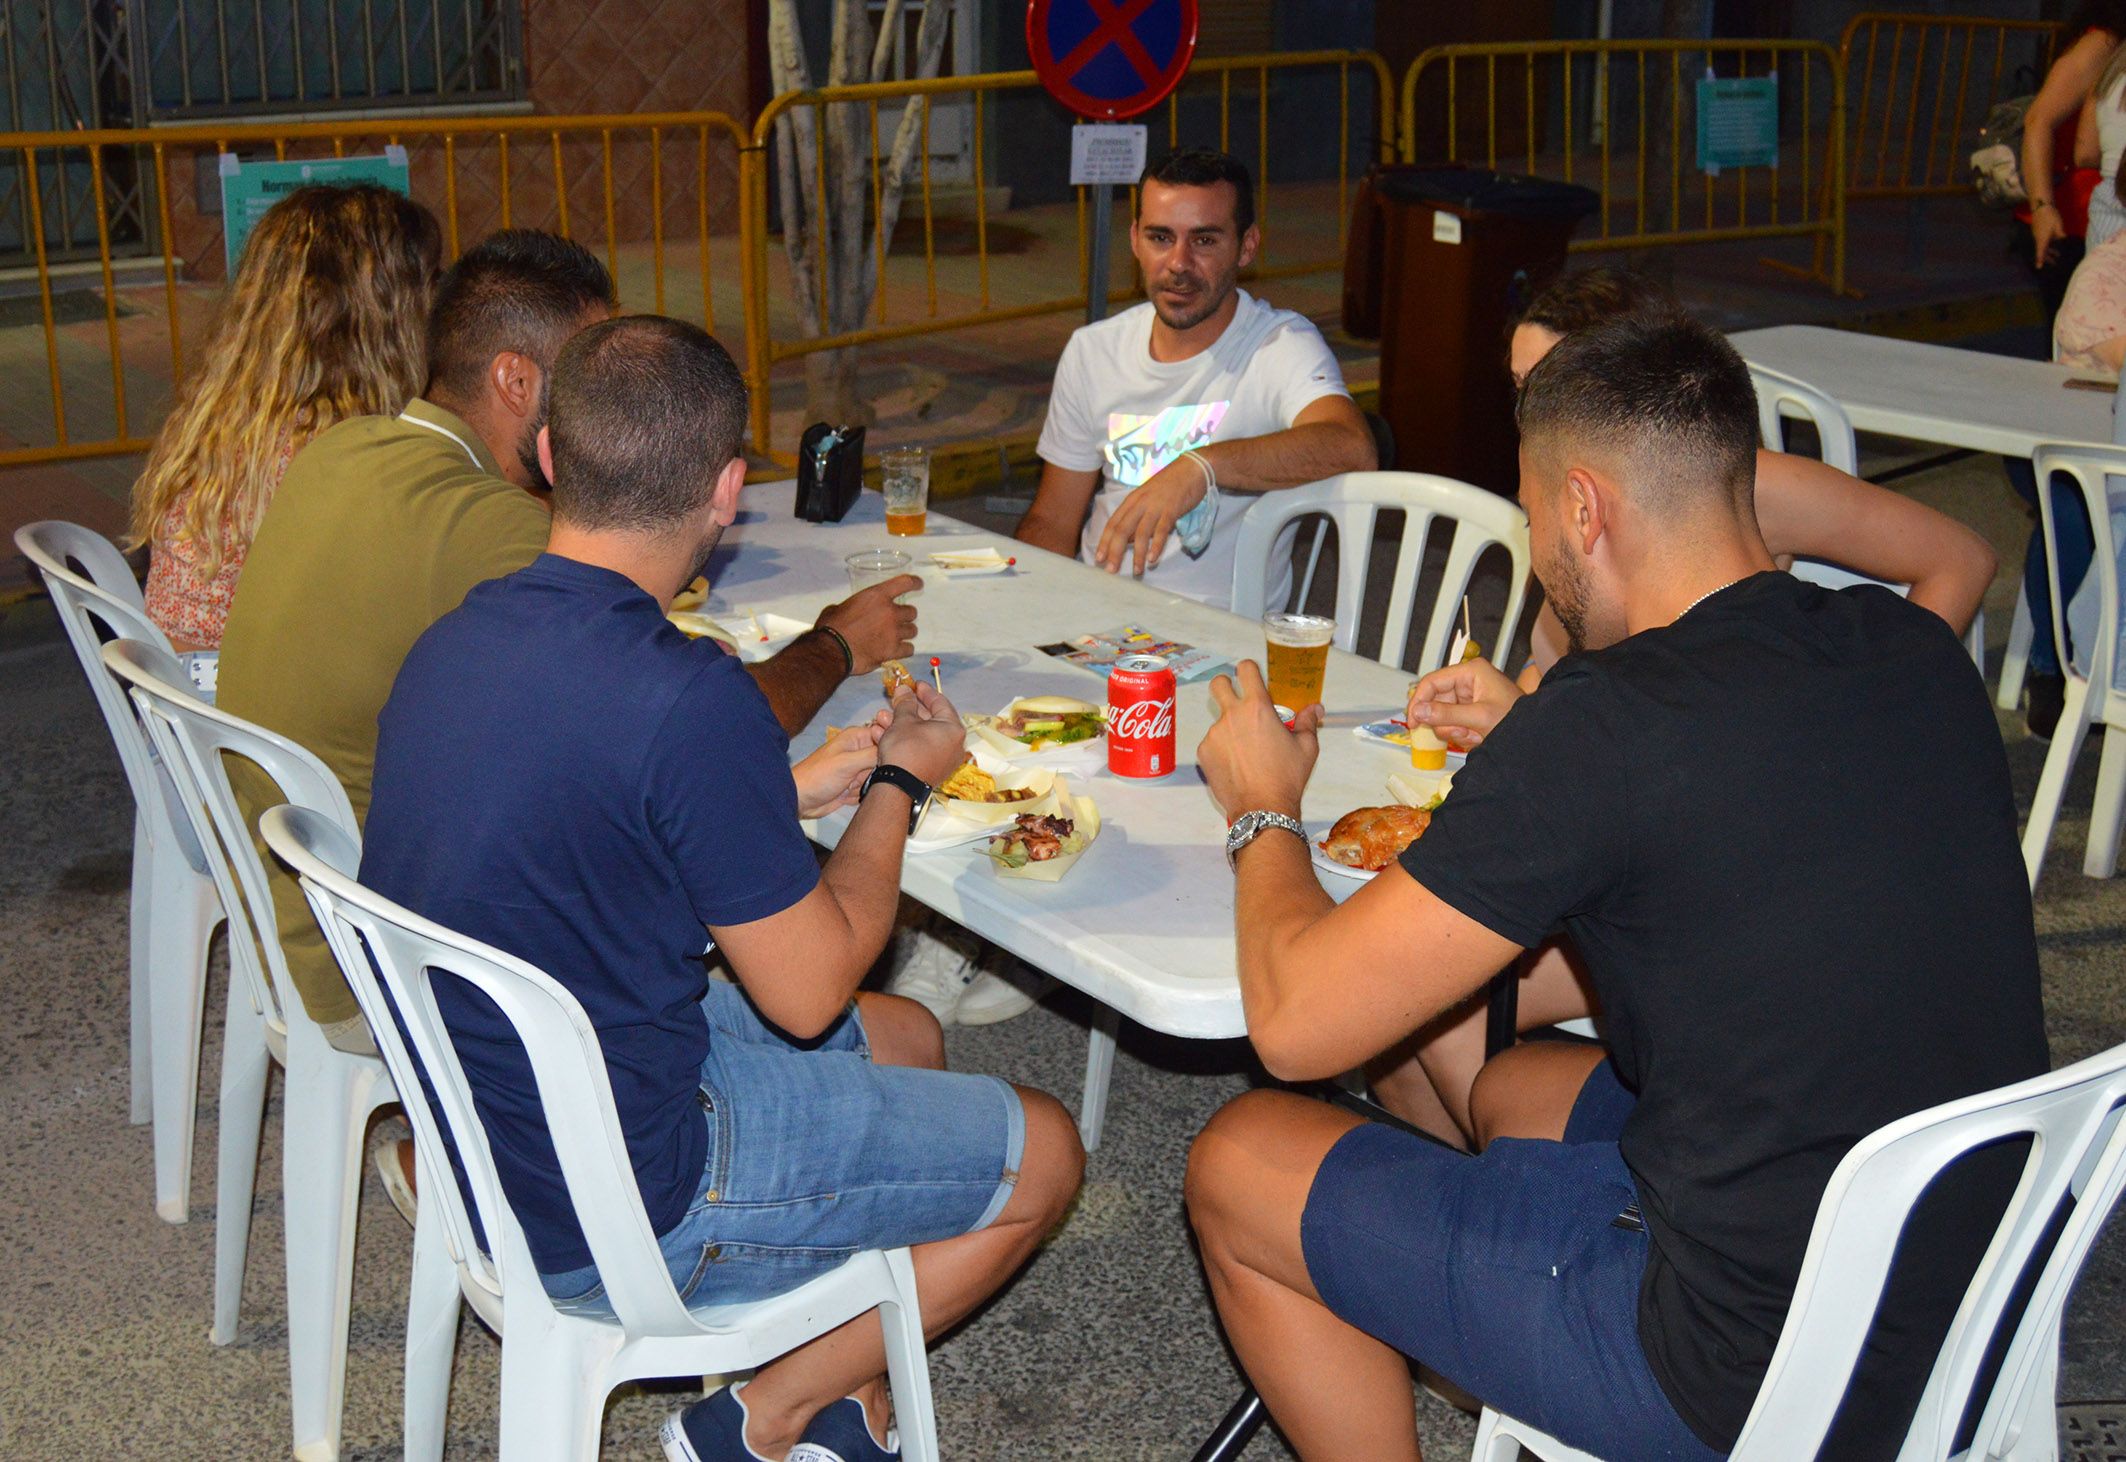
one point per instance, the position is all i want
(834, 255)
(832, 393)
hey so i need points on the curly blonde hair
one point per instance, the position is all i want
(327, 319)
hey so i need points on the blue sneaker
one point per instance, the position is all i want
(841, 1434)
(713, 1429)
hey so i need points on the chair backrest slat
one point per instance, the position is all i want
(385, 948)
(1477, 520)
(1777, 393)
(101, 593)
(2094, 469)
(194, 739)
(2077, 1145)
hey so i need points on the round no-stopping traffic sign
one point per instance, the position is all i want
(1110, 59)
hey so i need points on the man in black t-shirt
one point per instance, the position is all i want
(1776, 822)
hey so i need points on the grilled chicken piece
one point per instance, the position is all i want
(1373, 837)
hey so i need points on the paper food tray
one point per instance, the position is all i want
(1059, 802)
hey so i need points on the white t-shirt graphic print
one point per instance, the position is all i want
(1116, 410)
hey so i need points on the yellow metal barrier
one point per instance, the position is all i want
(1919, 70)
(656, 178)
(776, 336)
(1655, 195)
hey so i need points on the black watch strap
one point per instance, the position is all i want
(917, 789)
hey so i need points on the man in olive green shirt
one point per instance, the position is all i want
(382, 524)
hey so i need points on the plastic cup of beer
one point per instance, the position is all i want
(904, 474)
(1299, 656)
(875, 566)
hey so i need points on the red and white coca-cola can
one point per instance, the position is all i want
(1140, 717)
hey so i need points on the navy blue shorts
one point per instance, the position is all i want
(815, 1153)
(1507, 1272)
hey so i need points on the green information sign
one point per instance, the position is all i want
(1738, 122)
(248, 189)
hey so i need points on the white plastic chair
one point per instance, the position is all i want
(2092, 698)
(174, 909)
(557, 1368)
(1477, 520)
(2078, 1151)
(1779, 396)
(329, 1095)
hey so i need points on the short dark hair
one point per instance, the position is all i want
(644, 413)
(521, 290)
(1202, 167)
(1589, 297)
(1667, 396)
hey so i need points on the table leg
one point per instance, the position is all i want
(1099, 1068)
(1235, 1431)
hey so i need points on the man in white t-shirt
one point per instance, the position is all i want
(1169, 419)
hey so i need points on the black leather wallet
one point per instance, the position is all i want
(830, 471)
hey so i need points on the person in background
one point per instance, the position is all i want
(2057, 219)
(323, 321)
(2099, 143)
(625, 799)
(1797, 946)
(1168, 420)
(2089, 334)
(2093, 35)
(1804, 508)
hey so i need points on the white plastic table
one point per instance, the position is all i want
(1935, 393)
(1143, 922)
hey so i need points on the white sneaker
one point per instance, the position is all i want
(933, 973)
(989, 998)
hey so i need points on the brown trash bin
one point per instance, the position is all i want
(1463, 250)
(1364, 241)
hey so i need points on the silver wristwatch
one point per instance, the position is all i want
(1248, 825)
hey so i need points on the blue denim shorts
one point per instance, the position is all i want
(1509, 1273)
(815, 1154)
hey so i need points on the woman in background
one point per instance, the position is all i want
(326, 319)
(2057, 219)
(1805, 508)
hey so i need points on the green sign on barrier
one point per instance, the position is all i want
(1738, 122)
(248, 189)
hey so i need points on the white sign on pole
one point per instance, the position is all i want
(1106, 152)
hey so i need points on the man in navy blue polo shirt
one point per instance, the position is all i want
(562, 774)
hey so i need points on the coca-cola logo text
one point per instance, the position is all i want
(1143, 721)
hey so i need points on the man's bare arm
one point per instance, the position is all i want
(876, 629)
(798, 680)
(801, 966)
(1060, 503)
(1327, 986)
(1328, 437)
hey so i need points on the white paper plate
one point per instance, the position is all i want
(780, 629)
(974, 571)
(1385, 733)
(1327, 864)
(942, 830)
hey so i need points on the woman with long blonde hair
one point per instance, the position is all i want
(327, 319)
